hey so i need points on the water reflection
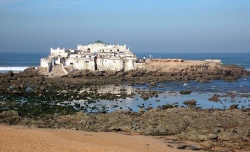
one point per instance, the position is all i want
(168, 94)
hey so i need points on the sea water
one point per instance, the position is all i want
(169, 95)
(18, 61)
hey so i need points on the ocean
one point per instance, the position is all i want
(18, 61)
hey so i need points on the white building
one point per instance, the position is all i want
(129, 63)
(58, 51)
(99, 47)
(96, 56)
(47, 63)
(109, 63)
(81, 63)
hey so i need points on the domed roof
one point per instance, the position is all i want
(98, 41)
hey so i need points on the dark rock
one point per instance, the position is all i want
(215, 98)
(186, 92)
(212, 136)
(145, 96)
(187, 147)
(234, 106)
(190, 102)
(11, 117)
(10, 73)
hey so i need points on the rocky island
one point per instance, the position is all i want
(102, 59)
(37, 97)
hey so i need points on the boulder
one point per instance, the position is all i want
(190, 102)
(186, 92)
(10, 117)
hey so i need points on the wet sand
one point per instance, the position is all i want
(18, 138)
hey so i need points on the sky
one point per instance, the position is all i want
(221, 26)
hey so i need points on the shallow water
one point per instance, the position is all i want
(168, 93)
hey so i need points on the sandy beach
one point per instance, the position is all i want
(22, 139)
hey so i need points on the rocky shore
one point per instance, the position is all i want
(210, 128)
(31, 99)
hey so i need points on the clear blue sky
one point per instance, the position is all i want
(144, 25)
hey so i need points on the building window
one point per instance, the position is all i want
(87, 61)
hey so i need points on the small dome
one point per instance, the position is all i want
(98, 41)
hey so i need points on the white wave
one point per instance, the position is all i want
(13, 68)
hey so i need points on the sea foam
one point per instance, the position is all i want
(15, 69)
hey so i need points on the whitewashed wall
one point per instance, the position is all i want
(81, 63)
